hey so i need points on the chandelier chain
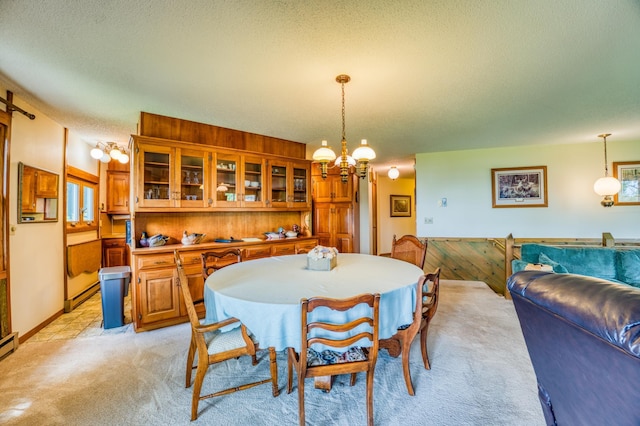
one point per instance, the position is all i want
(343, 115)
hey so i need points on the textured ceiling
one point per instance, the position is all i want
(425, 75)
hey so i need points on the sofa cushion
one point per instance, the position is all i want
(628, 266)
(557, 267)
(595, 262)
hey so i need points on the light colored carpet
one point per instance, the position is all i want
(481, 375)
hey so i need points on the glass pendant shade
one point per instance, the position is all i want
(115, 153)
(393, 173)
(364, 152)
(324, 153)
(96, 153)
(350, 161)
(607, 186)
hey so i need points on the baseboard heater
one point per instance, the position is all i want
(9, 344)
(70, 304)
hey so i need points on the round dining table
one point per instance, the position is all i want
(264, 294)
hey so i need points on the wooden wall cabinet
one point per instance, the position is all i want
(336, 210)
(178, 176)
(118, 192)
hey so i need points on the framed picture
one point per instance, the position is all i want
(519, 187)
(628, 173)
(400, 205)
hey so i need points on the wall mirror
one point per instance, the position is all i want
(37, 195)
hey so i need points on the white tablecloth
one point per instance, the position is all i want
(265, 293)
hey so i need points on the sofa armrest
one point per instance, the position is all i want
(608, 310)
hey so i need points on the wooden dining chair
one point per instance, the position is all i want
(410, 249)
(323, 328)
(213, 345)
(213, 260)
(427, 291)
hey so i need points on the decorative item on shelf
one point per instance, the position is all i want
(189, 239)
(272, 235)
(291, 234)
(157, 240)
(606, 186)
(144, 242)
(322, 258)
(361, 155)
(393, 173)
(107, 151)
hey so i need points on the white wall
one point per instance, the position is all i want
(387, 225)
(574, 211)
(36, 257)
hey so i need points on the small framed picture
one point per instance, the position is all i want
(400, 205)
(628, 173)
(519, 187)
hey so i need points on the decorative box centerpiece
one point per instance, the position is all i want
(322, 258)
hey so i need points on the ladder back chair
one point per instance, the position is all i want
(427, 291)
(410, 249)
(213, 345)
(341, 336)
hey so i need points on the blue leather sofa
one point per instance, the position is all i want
(618, 265)
(583, 338)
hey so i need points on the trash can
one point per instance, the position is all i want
(114, 286)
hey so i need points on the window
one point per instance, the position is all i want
(82, 202)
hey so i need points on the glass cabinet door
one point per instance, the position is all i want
(227, 180)
(192, 176)
(154, 189)
(278, 174)
(253, 185)
(301, 182)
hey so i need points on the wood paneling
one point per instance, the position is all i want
(176, 129)
(476, 259)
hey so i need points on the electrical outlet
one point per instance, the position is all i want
(428, 220)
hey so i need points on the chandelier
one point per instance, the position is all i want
(606, 186)
(108, 151)
(361, 155)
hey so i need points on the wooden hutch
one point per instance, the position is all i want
(226, 183)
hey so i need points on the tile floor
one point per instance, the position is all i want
(85, 320)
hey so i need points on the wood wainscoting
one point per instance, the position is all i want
(489, 259)
(475, 259)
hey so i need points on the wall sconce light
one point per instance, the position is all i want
(393, 173)
(361, 155)
(606, 186)
(108, 151)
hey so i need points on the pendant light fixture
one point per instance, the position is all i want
(606, 186)
(393, 173)
(361, 155)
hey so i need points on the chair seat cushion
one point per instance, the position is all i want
(218, 341)
(328, 357)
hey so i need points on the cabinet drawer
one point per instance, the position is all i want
(155, 261)
(306, 246)
(283, 249)
(256, 252)
(191, 258)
